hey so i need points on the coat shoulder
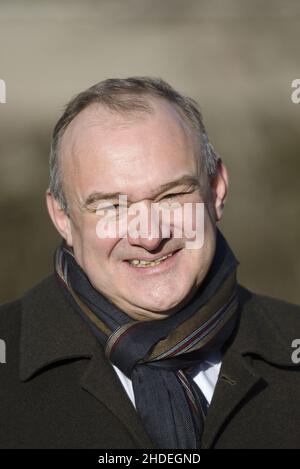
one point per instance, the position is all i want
(10, 312)
(9, 315)
(281, 314)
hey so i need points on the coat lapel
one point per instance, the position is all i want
(101, 381)
(51, 332)
(237, 378)
(256, 335)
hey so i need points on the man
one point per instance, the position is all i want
(142, 337)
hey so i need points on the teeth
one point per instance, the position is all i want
(143, 263)
(134, 262)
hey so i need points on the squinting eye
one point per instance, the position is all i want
(105, 206)
(172, 196)
(112, 207)
(108, 208)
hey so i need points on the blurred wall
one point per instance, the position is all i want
(237, 58)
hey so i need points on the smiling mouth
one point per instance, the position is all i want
(145, 264)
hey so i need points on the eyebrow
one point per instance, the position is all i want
(185, 180)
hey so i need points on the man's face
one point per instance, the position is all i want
(136, 156)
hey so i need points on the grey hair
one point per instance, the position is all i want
(127, 95)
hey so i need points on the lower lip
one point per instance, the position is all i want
(165, 265)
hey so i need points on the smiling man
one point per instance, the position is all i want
(143, 338)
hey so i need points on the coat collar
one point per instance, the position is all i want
(52, 332)
(266, 329)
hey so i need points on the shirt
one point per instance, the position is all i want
(205, 376)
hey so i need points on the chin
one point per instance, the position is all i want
(160, 301)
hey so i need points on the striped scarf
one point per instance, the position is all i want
(159, 355)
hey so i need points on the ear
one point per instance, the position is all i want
(59, 218)
(219, 190)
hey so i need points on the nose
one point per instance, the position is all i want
(145, 230)
(150, 244)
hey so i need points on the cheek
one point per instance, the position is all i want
(190, 223)
(98, 250)
(200, 247)
(88, 247)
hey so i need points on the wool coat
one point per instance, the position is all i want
(58, 390)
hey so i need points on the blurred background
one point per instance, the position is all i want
(235, 57)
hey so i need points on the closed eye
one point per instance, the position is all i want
(105, 206)
(176, 194)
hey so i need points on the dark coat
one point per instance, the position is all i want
(57, 389)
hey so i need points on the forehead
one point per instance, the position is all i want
(113, 152)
